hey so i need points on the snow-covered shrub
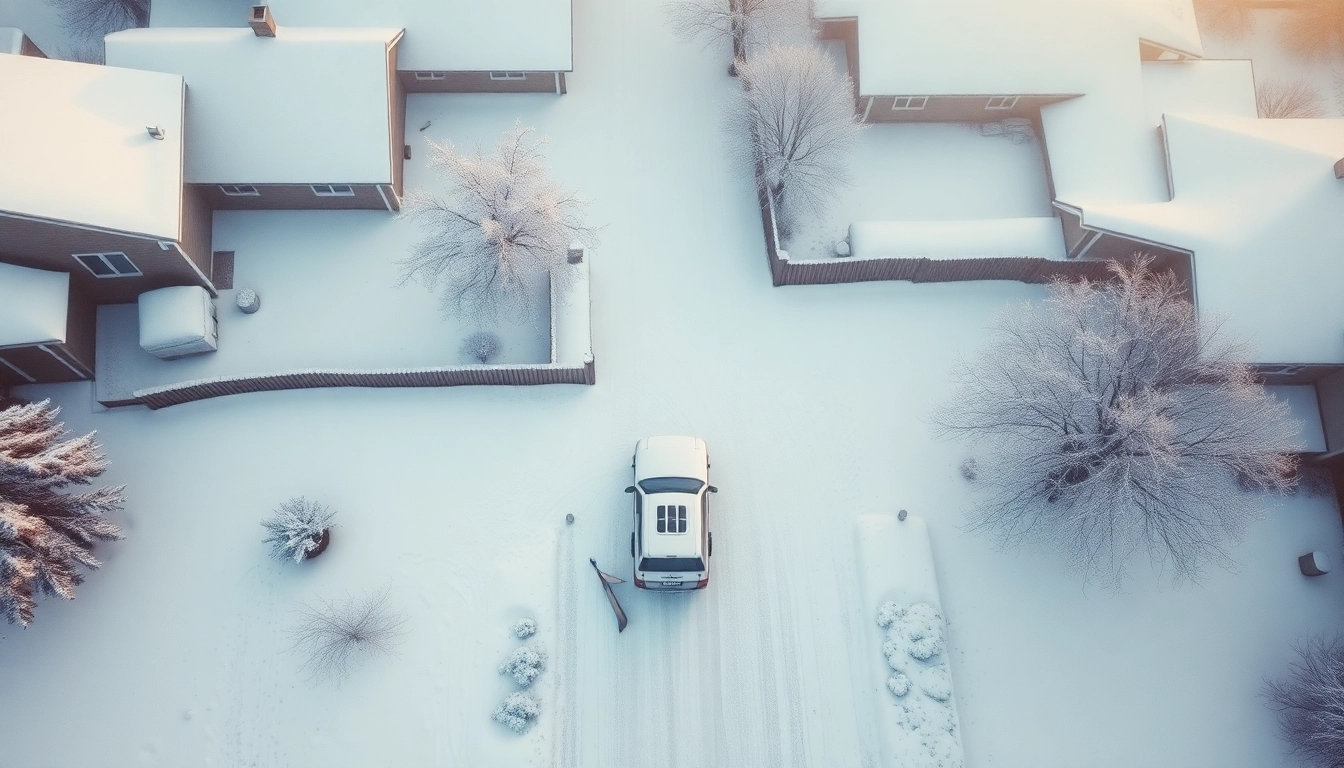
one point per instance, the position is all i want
(936, 683)
(524, 628)
(517, 712)
(895, 654)
(296, 527)
(916, 630)
(331, 633)
(481, 346)
(524, 665)
(1310, 702)
(968, 469)
(898, 684)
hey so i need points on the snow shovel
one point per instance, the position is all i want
(607, 581)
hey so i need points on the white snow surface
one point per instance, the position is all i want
(80, 152)
(899, 589)
(308, 106)
(456, 35)
(971, 238)
(33, 306)
(814, 400)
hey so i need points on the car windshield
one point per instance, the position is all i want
(671, 564)
(671, 485)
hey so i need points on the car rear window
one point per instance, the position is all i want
(671, 564)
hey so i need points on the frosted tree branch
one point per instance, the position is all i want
(1111, 421)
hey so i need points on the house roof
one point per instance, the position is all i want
(81, 153)
(309, 106)
(454, 35)
(32, 306)
(1258, 203)
(11, 40)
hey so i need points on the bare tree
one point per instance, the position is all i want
(1310, 702)
(333, 633)
(1313, 29)
(743, 24)
(504, 225)
(797, 114)
(95, 18)
(481, 346)
(1111, 420)
(1224, 18)
(46, 532)
(1287, 99)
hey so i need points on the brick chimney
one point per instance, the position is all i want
(1339, 168)
(261, 21)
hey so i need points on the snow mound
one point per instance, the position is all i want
(524, 665)
(898, 684)
(916, 629)
(936, 683)
(517, 712)
(524, 628)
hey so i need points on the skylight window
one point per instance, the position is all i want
(239, 190)
(1002, 102)
(909, 102)
(508, 75)
(430, 75)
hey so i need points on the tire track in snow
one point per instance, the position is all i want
(568, 684)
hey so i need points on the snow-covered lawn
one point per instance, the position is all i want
(813, 401)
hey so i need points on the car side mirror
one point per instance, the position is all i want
(630, 489)
(712, 489)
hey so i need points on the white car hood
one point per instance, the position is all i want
(671, 456)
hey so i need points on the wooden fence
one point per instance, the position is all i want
(1025, 269)
(447, 376)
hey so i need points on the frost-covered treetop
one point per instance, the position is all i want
(295, 527)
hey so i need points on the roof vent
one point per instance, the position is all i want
(261, 21)
(155, 131)
(1339, 168)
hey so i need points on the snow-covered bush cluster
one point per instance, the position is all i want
(914, 649)
(523, 666)
(481, 346)
(517, 712)
(296, 527)
(968, 469)
(524, 628)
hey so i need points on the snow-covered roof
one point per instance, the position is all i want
(1018, 47)
(308, 106)
(32, 306)
(1258, 203)
(74, 145)
(11, 40)
(457, 35)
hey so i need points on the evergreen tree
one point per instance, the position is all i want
(46, 533)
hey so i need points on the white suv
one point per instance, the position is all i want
(671, 543)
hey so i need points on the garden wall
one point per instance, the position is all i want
(571, 362)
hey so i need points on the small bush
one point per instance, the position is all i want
(936, 683)
(517, 712)
(295, 527)
(524, 665)
(481, 346)
(333, 633)
(1310, 702)
(524, 628)
(969, 469)
(898, 684)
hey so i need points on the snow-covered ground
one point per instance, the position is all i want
(813, 401)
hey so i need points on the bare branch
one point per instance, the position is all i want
(1111, 421)
(1310, 702)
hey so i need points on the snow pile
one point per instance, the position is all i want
(914, 651)
(517, 712)
(524, 665)
(524, 628)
